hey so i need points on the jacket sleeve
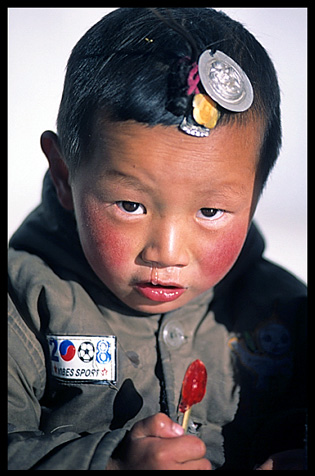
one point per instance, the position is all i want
(30, 448)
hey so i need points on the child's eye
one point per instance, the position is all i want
(133, 208)
(210, 213)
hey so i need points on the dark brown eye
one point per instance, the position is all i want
(210, 213)
(131, 207)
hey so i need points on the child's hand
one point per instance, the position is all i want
(157, 443)
(292, 459)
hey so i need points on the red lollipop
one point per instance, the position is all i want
(193, 388)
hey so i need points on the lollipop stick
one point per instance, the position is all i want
(185, 419)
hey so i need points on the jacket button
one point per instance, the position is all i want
(173, 335)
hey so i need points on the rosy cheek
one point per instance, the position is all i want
(106, 248)
(220, 256)
(113, 249)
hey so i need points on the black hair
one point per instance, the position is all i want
(134, 63)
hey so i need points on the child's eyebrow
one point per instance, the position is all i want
(126, 179)
(227, 189)
(219, 191)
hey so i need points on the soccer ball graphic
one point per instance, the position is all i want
(86, 352)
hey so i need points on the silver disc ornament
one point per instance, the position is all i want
(225, 81)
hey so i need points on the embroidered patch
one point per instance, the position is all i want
(84, 359)
(266, 352)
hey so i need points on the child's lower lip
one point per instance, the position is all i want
(159, 293)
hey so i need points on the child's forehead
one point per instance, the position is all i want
(128, 146)
(131, 136)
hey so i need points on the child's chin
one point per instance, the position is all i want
(153, 307)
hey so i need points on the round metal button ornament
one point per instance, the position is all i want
(225, 81)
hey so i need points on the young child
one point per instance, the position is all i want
(143, 257)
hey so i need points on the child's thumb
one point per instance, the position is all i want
(159, 425)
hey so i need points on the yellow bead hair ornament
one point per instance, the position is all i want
(205, 112)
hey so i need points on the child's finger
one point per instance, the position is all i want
(159, 425)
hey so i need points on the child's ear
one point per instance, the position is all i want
(58, 169)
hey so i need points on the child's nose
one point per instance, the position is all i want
(167, 245)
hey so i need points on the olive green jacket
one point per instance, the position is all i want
(249, 331)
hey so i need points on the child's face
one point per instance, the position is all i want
(162, 216)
